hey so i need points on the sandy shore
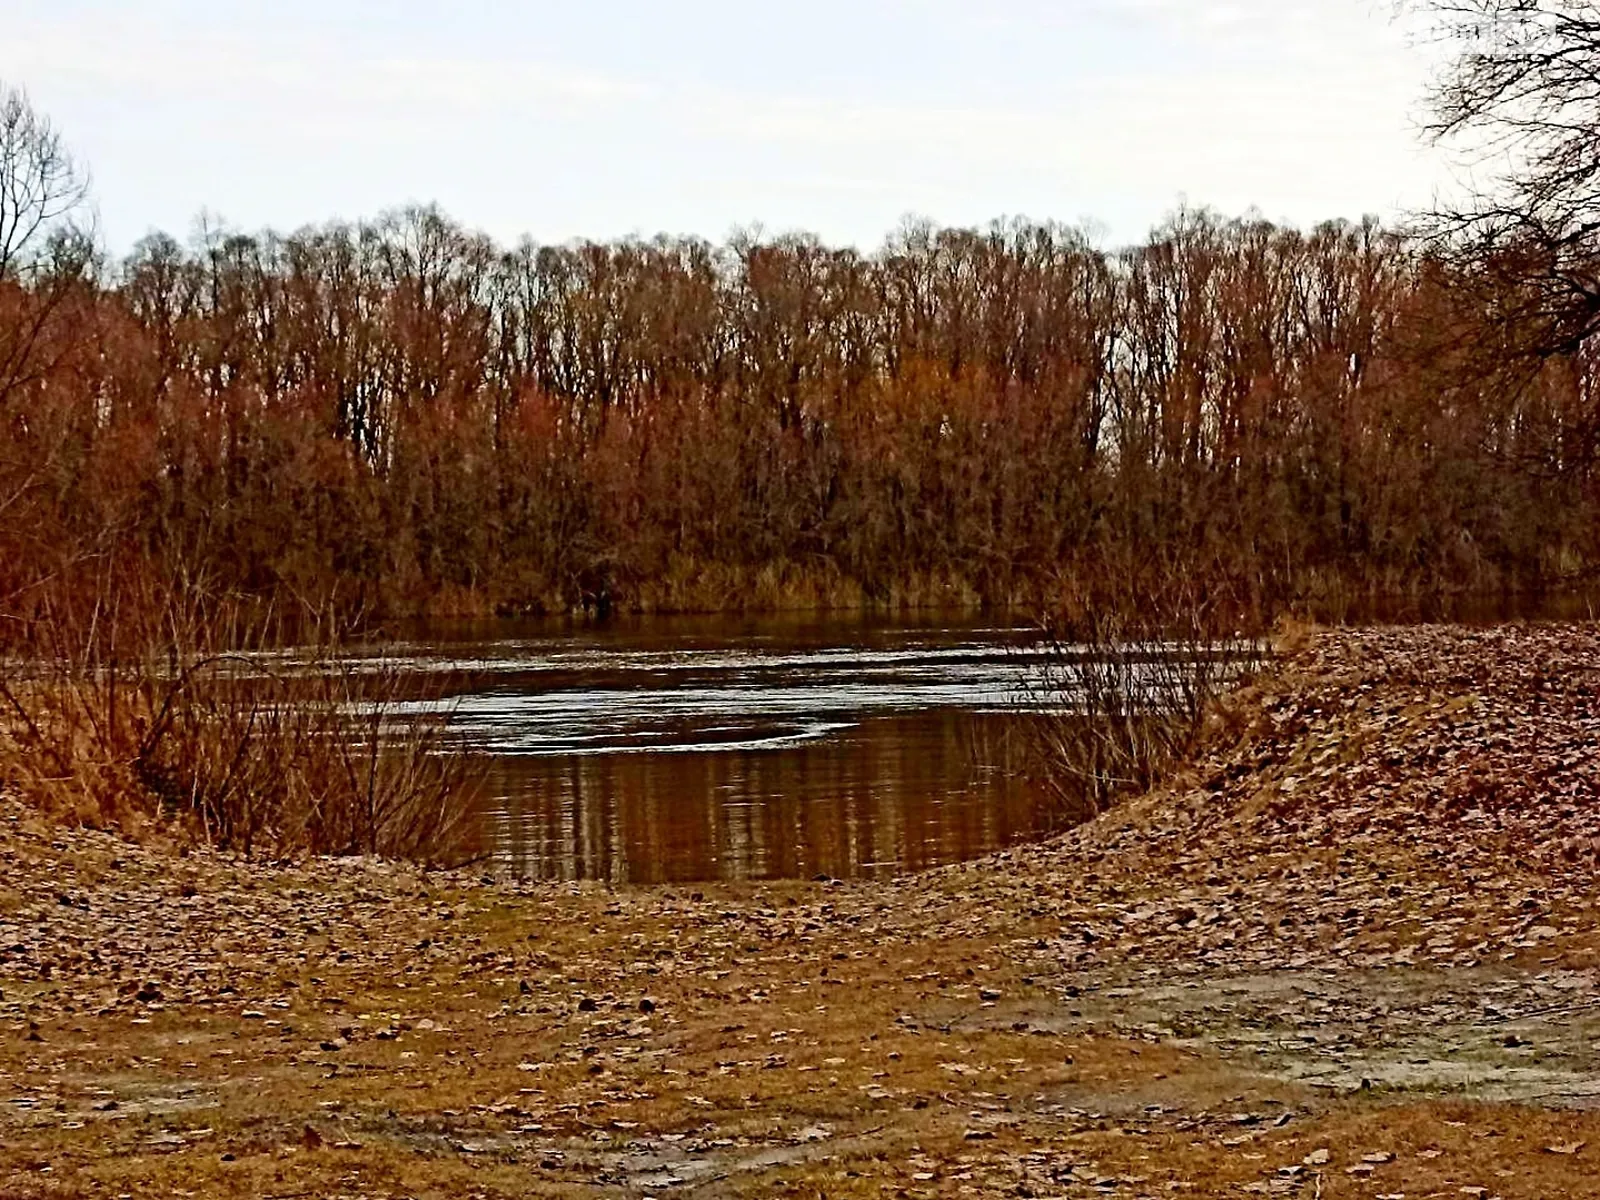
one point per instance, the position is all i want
(1352, 953)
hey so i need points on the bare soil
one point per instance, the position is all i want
(1352, 953)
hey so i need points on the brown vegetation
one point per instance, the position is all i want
(403, 413)
(1134, 681)
(399, 415)
(172, 709)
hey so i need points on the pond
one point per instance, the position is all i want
(678, 749)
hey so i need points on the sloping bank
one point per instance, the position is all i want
(1351, 953)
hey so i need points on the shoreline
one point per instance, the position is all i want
(1353, 951)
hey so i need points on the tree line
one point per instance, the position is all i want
(403, 416)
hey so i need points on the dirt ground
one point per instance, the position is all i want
(1352, 953)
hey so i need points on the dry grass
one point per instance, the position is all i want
(172, 710)
(1135, 673)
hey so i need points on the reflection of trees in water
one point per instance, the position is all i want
(891, 794)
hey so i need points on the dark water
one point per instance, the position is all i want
(681, 750)
(676, 750)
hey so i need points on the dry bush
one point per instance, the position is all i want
(1133, 673)
(165, 706)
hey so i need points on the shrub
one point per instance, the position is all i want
(169, 706)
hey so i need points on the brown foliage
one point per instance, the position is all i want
(401, 416)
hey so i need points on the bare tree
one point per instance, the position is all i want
(45, 244)
(41, 186)
(1521, 95)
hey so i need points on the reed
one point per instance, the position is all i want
(1134, 669)
(170, 707)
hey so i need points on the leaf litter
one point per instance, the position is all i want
(1353, 947)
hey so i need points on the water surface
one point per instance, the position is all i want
(675, 750)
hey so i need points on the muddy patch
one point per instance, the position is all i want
(1494, 1034)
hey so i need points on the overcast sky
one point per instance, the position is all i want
(613, 117)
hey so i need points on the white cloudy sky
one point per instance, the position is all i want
(562, 119)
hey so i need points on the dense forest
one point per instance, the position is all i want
(403, 415)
